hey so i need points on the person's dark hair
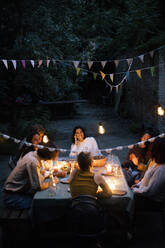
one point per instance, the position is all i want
(74, 131)
(37, 128)
(46, 153)
(25, 148)
(158, 150)
(30, 136)
(85, 160)
(127, 164)
(152, 132)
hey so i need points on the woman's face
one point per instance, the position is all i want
(41, 135)
(79, 134)
(145, 137)
(36, 139)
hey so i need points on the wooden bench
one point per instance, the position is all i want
(16, 228)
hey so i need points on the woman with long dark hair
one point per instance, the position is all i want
(80, 142)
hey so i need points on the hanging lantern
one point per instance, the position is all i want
(160, 111)
(101, 128)
(45, 139)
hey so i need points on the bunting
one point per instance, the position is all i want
(90, 63)
(103, 63)
(14, 64)
(141, 57)
(129, 61)
(111, 76)
(39, 63)
(94, 75)
(127, 75)
(47, 62)
(23, 63)
(32, 62)
(76, 63)
(77, 70)
(102, 74)
(139, 73)
(152, 70)
(5, 63)
(107, 150)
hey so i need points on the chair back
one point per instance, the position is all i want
(86, 216)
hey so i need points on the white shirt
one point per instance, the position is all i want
(89, 144)
(153, 184)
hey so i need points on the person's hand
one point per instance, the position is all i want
(137, 181)
(134, 186)
(76, 140)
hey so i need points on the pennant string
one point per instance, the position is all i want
(108, 150)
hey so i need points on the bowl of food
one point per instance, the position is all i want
(99, 161)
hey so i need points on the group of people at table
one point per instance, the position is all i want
(144, 170)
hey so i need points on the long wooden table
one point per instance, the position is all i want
(51, 206)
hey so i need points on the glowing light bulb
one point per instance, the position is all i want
(45, 139)
(101, 128)
(160, 111)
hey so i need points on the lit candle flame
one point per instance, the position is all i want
(45, 139)
(160, 111)
(109, 168)
(101, 129)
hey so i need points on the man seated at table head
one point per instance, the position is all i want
(84, 182)
(26, 179)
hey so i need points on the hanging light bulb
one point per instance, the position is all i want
(45, 139)
(160, 111)
(101, 128)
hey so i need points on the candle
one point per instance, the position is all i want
(109, 168)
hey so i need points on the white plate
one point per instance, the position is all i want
(64, 180)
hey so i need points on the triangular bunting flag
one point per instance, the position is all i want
(5, 63)
(141, 57)
(77, 70)
(47, 62)
(39, 63)
(90, 63)
(14, 64)
(102, 74)
(32, 62)
(94, 75)
(139, 73)
(127, 75)
(116, 63)
(151, 54)
(111, 77)
(23, 63)
(129, 61)
(103, 63)
(76, 63)
(152, 70)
